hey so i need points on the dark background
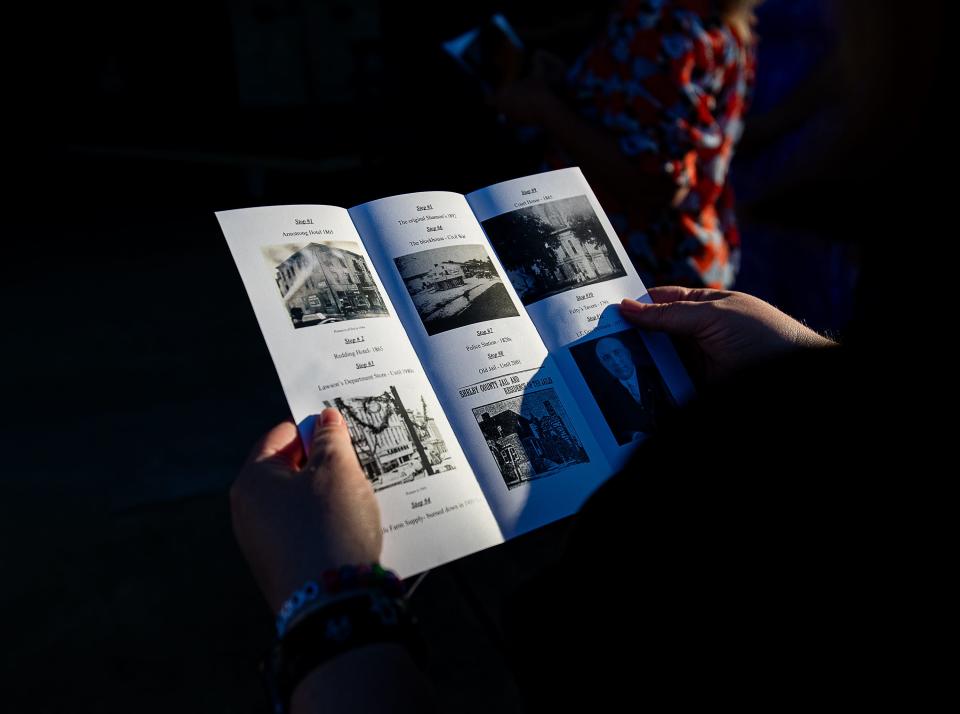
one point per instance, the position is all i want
(135, 377)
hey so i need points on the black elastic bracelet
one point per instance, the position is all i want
(359, 619)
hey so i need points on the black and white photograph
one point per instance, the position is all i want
(454, 286)
(324, 282)
(553, 247)
(396, 441)
(625, 383)
(530, 436)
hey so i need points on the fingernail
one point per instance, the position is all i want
(330, 417)
(631, 305)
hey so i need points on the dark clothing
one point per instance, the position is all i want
(789, 576)
(624, 415)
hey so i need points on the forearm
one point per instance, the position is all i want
(375, 678)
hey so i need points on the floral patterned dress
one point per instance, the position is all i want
(671, 81)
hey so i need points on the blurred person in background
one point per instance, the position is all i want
(652, 111)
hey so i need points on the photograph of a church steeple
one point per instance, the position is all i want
(530, 436)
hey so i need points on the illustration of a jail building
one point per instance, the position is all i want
(528, 447)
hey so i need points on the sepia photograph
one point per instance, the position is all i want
(396, 441)
(324, 282)
(454, 286)
(625, 383)
(552, 247)
(530, 436)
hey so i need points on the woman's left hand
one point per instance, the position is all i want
(296, 517)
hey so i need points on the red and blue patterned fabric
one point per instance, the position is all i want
(671, 81)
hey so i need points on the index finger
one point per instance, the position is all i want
(281, 443)
(675, 293)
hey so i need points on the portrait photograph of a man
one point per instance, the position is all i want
(625, 383)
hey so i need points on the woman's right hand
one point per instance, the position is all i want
(729, 330)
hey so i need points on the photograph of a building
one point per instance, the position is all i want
(395, 442)
(552, 247)
(324, 282)
(454, 286)
(529, 436)
(444, 276)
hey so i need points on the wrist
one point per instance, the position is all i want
(335, 584)
(294, 572)
(346, 609)
(810, 339)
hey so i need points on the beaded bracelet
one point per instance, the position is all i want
(332, 584)
(346, 607)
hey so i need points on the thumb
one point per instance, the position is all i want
(331, 440)
(682, 318)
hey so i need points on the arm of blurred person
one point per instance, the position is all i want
(721, 331)
(294, 518)
(821, 90)
(533, 101)
(654, 120)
